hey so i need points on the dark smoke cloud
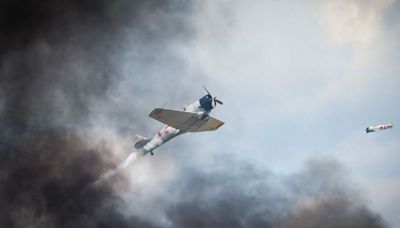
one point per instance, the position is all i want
(318, 196)
(58, 59)
(43, 186)
(59, 72)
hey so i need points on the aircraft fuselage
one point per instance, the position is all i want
(379, 127)
(203, 107)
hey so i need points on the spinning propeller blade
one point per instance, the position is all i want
(215, 98)
(218, 101)
(206, 90)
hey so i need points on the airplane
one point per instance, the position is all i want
(193, 118)
(379, 127)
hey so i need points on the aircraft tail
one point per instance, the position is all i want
(140, 141)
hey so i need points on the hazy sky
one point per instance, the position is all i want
(304, 79)
(300, 82)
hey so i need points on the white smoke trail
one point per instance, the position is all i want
(128, 160)
(119, 167)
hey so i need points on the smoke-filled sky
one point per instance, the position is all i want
(300, 82)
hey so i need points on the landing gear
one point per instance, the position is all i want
(151, 152)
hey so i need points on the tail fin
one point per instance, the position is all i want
(140, 141)
(391, 123)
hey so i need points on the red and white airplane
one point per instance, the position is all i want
(379, 127)
(194, 118)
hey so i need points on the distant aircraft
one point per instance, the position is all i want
(194, 118)
(379, 127)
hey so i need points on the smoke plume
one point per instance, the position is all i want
(320, 195)
(72, 80)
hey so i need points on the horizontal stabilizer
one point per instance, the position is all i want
(185, 121)
(140, 141)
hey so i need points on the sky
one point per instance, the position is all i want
(303, 80)
(300, 82)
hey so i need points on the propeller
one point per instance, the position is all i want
(215, 98)
(206, 90)
(218, 101)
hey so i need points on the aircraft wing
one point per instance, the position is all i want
(185, 121)
(211, 124)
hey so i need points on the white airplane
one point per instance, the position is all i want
(194, 118)
(379, 127)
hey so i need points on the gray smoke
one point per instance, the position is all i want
(58, 75)
(320, 195)
(73, 76)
